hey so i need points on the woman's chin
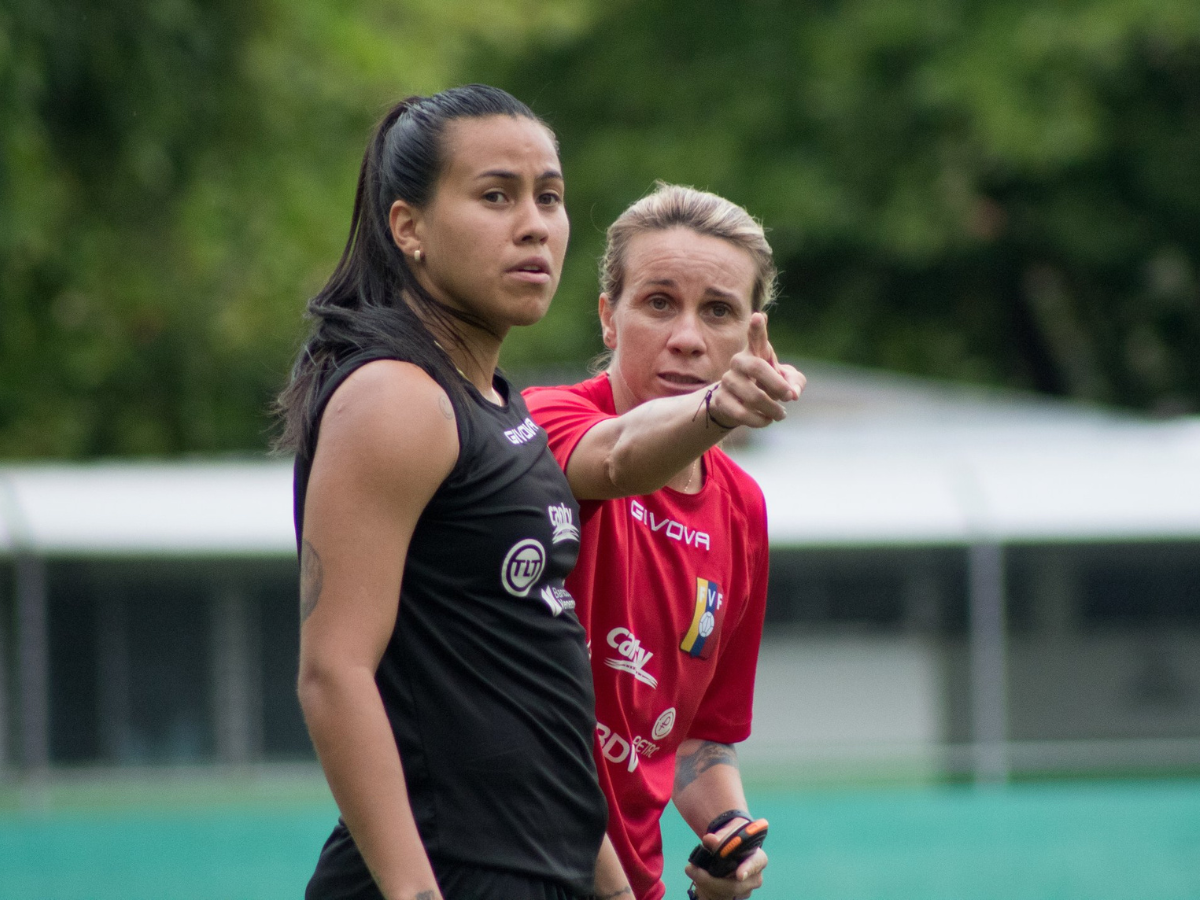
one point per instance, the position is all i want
(529, 314)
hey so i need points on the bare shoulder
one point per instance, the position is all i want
(390, 420)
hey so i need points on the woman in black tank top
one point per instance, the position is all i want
(443, 674)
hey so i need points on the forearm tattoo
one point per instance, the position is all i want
(710, 753)
(312, 577)
(425, 895)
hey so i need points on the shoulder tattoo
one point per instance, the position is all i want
(312, 577)
(447, 411)
(689, 768)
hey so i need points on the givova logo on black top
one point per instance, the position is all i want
(523, 566)
(523, 433)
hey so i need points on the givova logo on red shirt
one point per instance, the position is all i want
(676, 531)
(701, 636)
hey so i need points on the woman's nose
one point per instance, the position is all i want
(686, 335)
(531, 223)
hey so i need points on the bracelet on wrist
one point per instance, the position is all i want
(726, 817)
(708, 415)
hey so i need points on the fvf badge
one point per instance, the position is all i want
(701, 636)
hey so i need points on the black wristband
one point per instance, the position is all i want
(726, 817)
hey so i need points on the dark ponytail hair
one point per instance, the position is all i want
(372, 303)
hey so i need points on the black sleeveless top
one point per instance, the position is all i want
(486, 679)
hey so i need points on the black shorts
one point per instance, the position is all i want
(459, 881)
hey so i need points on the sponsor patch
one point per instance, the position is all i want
(523, 566)
(634, 656)
(664, 724)
(644, 747)
(563, 520)
(558, 599)
(616, 749)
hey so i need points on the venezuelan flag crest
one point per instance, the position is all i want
(701, 636)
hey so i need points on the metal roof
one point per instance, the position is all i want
(883, 459)
(186, 508)
(863, 459)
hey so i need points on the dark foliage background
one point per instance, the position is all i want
(1004, 192)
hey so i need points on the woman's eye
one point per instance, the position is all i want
(494, 196)
(719, 311)
(550, 199)
(658, 302)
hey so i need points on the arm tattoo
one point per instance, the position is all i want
(627, 890)
(448, 415)
(312, 576)
(689, 768)
(425, 895)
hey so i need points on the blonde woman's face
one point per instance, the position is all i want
(683, 313)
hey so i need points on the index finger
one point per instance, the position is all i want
(760, 346)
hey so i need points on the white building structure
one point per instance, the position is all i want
(962, 580)
(1041, 561)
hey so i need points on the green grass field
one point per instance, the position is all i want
(255, 840)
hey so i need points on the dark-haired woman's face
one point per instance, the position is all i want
(494, 235)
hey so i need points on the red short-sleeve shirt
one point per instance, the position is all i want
(671, 588)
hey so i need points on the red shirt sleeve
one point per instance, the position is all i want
(566, 414)
(725, 713)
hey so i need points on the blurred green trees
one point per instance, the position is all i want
(1006, 191)
(176, 178)
(1003, 191)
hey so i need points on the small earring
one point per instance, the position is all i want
(417, 255)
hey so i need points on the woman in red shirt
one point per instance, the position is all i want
(672, 572)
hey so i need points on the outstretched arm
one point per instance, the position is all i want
(372, 475)
(640, 451)
(708, 783)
